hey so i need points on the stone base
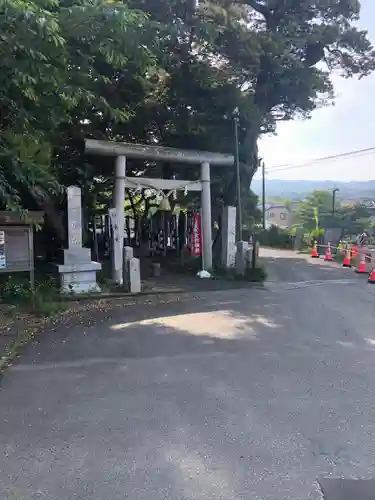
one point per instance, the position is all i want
(79, 278)
(242, 257)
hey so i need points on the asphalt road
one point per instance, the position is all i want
(244, 394)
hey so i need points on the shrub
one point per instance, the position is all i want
(14, 291)
(276, 238)
(43, 300)
(256, 274)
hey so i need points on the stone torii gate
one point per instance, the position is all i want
(122, 150)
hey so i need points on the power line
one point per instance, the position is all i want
(332, 157)
(356, 153)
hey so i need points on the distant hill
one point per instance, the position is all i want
(295, 190)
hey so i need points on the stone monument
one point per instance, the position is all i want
(78, 273)
(228, 237)
(134, 275)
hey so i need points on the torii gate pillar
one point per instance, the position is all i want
(206, 230)
(119, 204)
(123, 150)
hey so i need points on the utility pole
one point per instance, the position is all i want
(237, 158)
(334, 191)
(263, 196)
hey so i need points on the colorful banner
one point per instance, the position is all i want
(196, 236)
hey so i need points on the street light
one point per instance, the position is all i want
(334, 191)
(236, 120)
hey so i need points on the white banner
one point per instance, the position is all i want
(117, 241)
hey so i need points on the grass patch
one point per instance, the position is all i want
(43, 300)
(192, 265)
(257, 274)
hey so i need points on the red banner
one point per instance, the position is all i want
(196, 236)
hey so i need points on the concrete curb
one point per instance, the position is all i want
(153, 293)
(119, 295)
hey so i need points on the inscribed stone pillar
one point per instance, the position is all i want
(78, 273)
(74, 217)
(228, 237)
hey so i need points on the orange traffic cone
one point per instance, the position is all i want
(361, 268)
(315, 253)
(347, 261)
(328, 254)
(371, 276)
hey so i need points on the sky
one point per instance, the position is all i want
(344, 127)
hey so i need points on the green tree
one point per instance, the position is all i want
(354, 220)
(55, 63)
(315, 210)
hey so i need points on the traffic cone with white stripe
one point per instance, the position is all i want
(371, 276)
(347, 261)
(328, 254)
(361, 268)
(315, 253)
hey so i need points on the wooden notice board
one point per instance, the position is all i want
(16, 243)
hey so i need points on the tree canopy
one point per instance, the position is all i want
(59, 62)
(169, 72)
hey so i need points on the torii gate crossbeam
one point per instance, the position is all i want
(122, 150)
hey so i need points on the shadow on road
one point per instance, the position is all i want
(200, 325)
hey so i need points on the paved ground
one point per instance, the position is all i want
(243, 394)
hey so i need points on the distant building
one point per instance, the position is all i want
(280, 215)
